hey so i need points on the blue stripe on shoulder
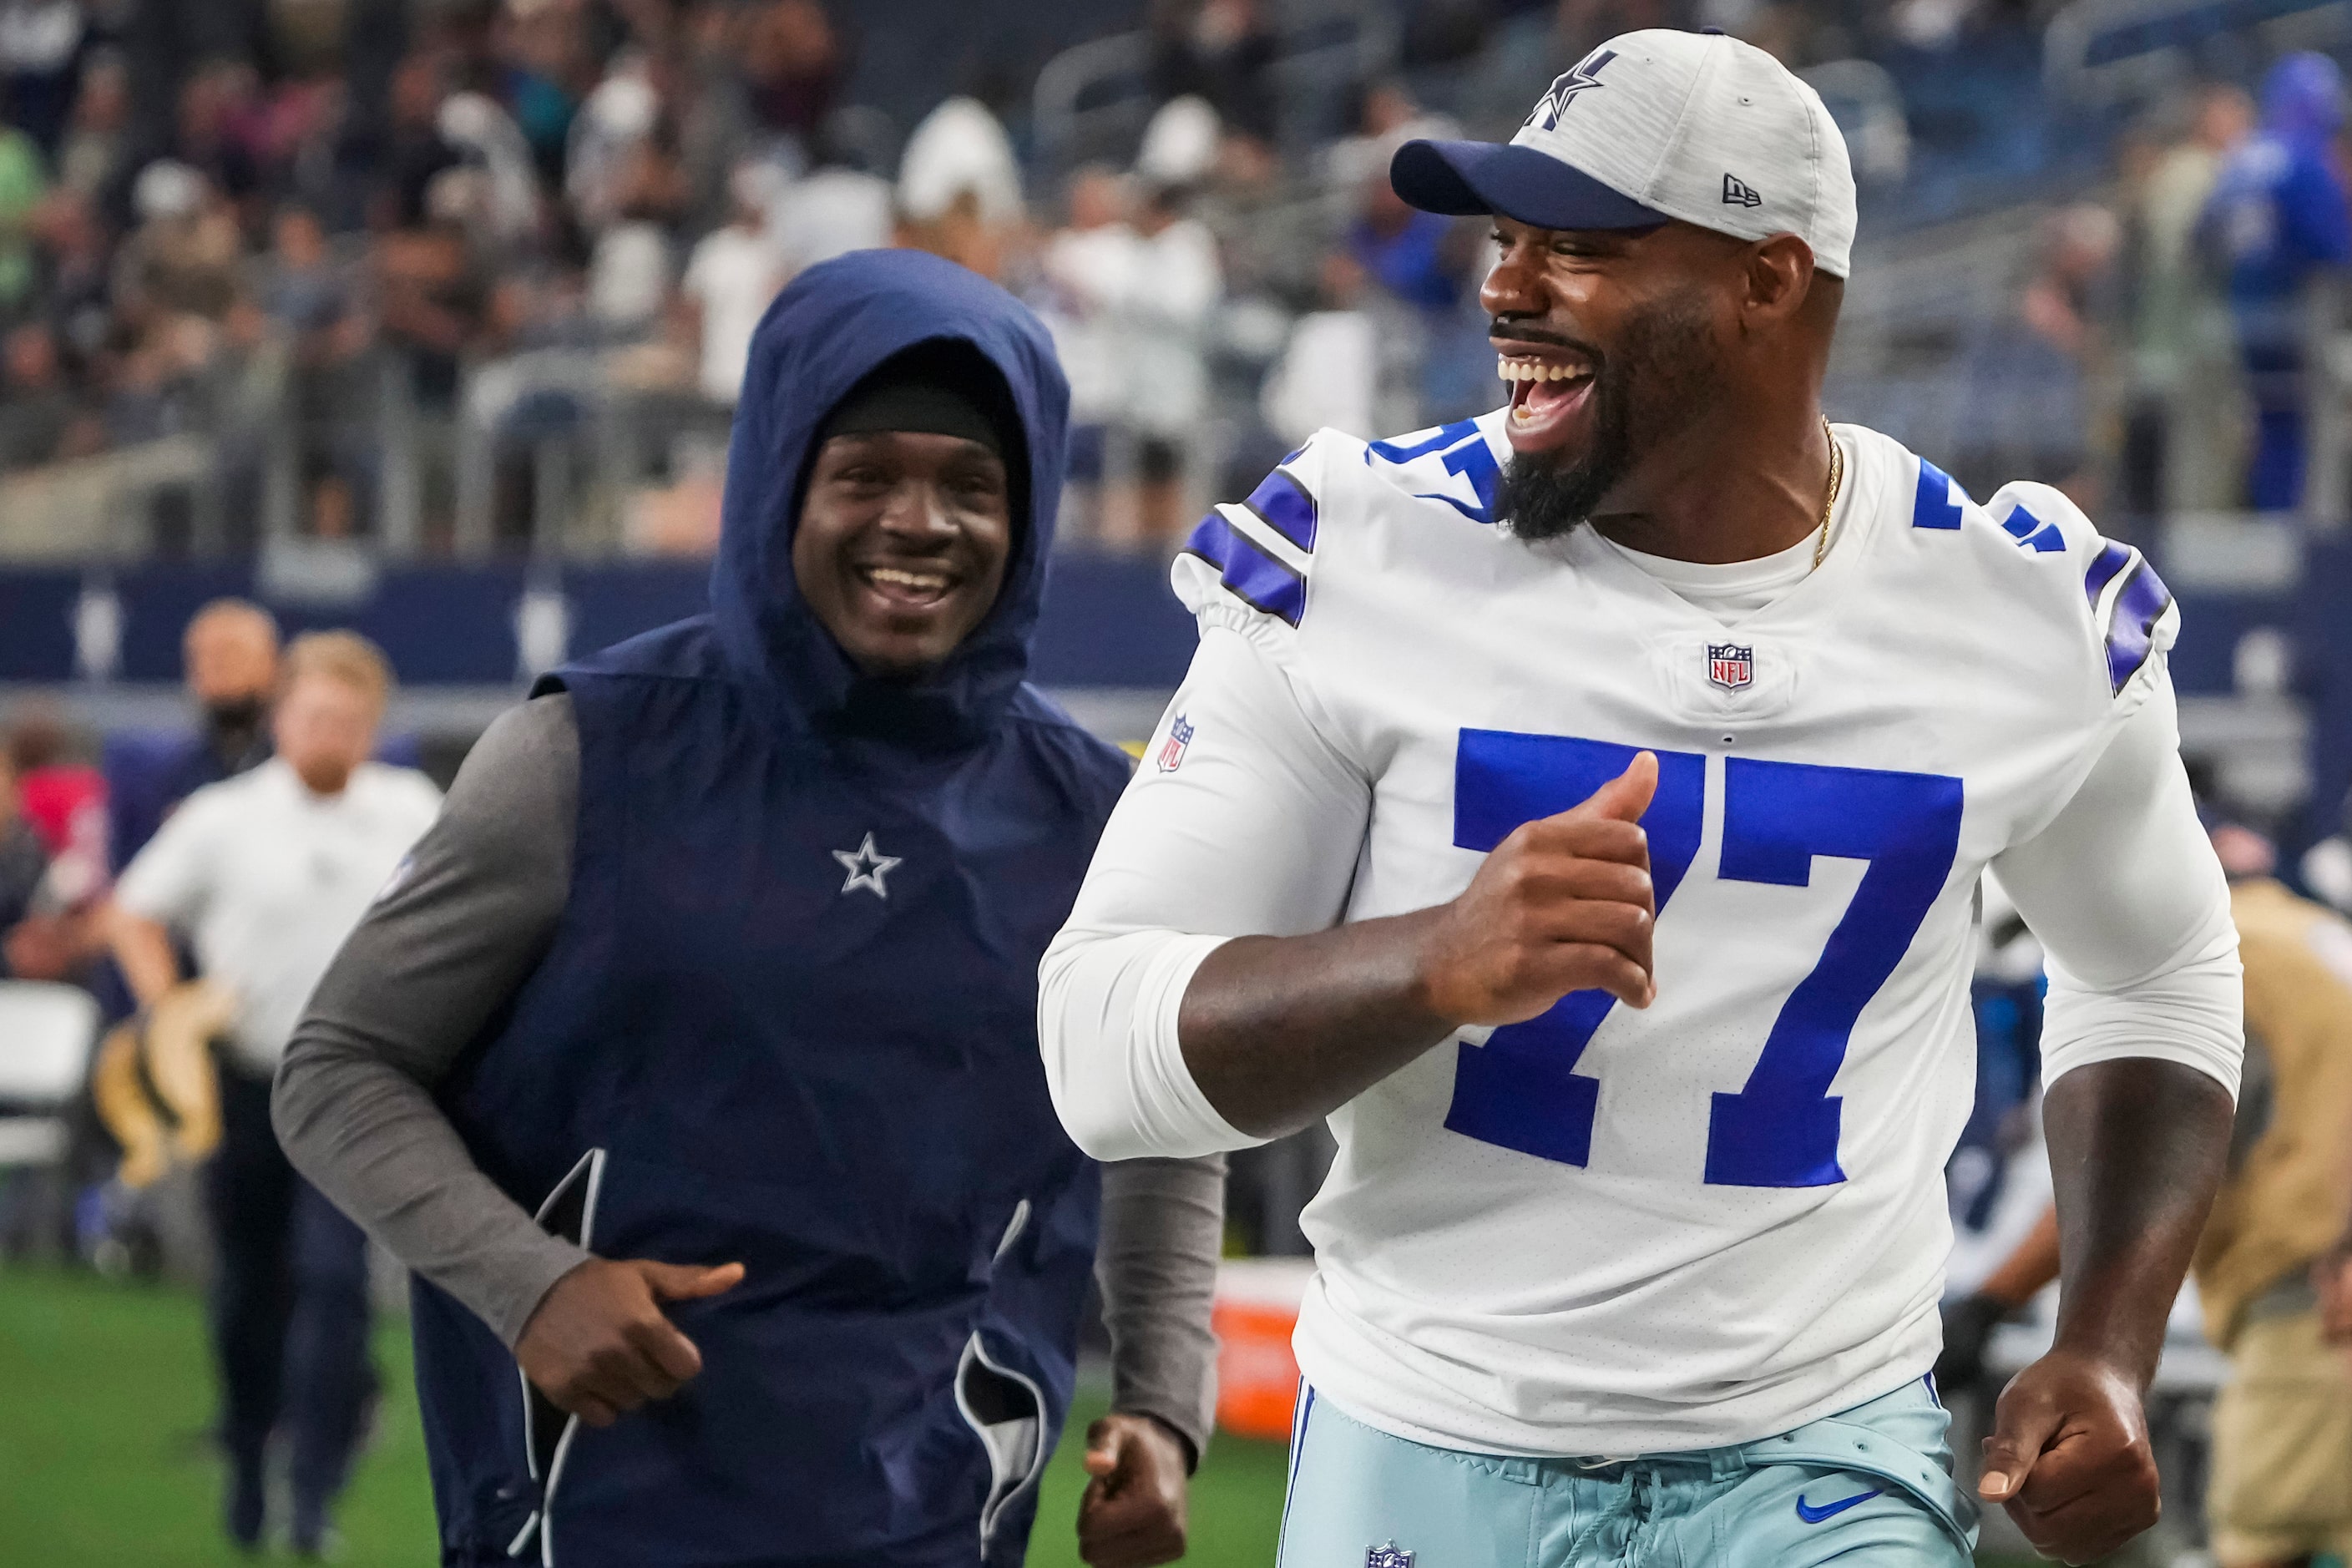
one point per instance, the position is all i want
(1287, 508)
(2032, 532)
(2131, 630)
(1939, 500)
(1248, 572)
(2111, 560)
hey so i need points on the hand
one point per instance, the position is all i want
(599, 1346)
(2069, 1457)
(1563, 904)
(1133, 1515)
(2331, 1276)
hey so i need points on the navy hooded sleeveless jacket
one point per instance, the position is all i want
(788, 1019)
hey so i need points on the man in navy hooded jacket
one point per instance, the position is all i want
(692, 1063)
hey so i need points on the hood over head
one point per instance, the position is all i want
(835, 324)
(2302, 97)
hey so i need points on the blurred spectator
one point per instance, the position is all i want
(2182, 449)
(229, 659)
(41, 43)
(2281, 1482)
(631, 270)
(59, 803)
(23, 863)
(37, 407)
(733, 273)
(97, 140)
(2277, 220)
(1386, 118)
(1269, 237)
(1220, 50)
(1338, 369)
(411, 151)
(21, 188)
(267, 874)
(838, 207)
(219, 129)
(1174, 285)
(1086, 266)
(184, 257)
(793, 65)
(960, 187)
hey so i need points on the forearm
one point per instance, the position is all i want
(143, 950)
(373, 1141)
(2136, 1149)
(1162, 1230)
(1280, 1031)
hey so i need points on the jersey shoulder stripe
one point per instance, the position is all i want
(1939, 502)
(2129, 603)
(1285, 505)
(1248, 569)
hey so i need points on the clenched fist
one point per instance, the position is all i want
(599, 1344)
(1563, 904)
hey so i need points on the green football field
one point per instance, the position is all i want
(105, 1392)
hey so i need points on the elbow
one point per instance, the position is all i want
(1112, 1063)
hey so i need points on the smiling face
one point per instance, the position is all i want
(1612, 344)
(902, 545)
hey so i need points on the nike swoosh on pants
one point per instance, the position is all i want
(1815, 1515)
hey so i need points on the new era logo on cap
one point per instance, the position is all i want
(1646, 130)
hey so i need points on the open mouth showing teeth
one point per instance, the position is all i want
(907, 586)
(1545, 395)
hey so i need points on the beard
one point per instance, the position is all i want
(1658, 382)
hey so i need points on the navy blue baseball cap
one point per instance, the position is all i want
(1463, 179)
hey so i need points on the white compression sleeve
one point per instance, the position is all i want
(2124, 891)
(1255, 833)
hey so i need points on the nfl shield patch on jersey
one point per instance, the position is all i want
(1171, 750)
(1730, 666)
(1388, 1556)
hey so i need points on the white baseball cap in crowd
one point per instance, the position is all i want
(1654, 125)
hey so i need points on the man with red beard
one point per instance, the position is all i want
(1581, 807)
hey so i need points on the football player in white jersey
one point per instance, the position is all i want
(1581, 807)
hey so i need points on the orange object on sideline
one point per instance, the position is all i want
(1255, 1312)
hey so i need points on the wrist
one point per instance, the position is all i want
(1167, 1429)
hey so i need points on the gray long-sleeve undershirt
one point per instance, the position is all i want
(450, 945)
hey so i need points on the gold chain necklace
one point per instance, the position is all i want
(1829, 502)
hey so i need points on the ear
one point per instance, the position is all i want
(1779, 276)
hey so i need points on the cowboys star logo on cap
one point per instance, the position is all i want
(1659, 116)
(1565, 87)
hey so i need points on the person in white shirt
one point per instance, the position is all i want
(1581, 807)
(265, 874)
(733, 273)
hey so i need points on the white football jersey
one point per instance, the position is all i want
(1618, 1231)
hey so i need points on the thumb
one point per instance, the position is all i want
(2011, 1453)
(688, 1282)
(1625, 797)
(1104, 1450)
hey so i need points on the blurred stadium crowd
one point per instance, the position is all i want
(470, 274)
(473, 279)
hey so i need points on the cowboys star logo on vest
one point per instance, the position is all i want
(1171, 750)
(1564, 89)
(1730, 666)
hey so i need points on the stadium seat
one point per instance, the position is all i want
(46, 1033)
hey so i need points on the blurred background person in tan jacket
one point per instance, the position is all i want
(2276, 1248)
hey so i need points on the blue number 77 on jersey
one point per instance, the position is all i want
(1520, 1090)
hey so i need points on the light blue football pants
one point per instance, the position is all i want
(1871, 1488)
